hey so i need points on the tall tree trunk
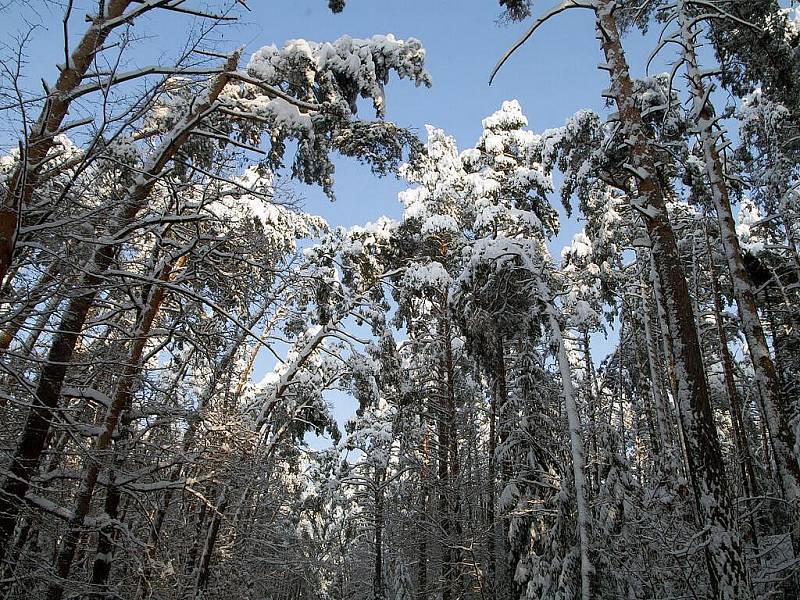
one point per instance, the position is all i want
(726, 567)
(592, 398)
(455, 580)
(104, 554)
(378, 588)
(36, 330)
(667, 346)
(575, 440)
(505, 573)
(443, 454)
(667, 353)
(766, 376)
(203, 571)
(743, 456)
(39, 326)
(51, 378)
(642, 401)
(491, 505)
(425, 508)
(662, 420)
(194, 551)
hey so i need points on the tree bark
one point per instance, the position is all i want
(726, 567)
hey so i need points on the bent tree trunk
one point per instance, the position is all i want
(726, 567)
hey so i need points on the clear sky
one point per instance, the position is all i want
(553, 75)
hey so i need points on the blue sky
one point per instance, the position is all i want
(553, 75)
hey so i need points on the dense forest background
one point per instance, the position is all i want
(213, 384)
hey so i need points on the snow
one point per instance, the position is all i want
(581, 246)
(430, 275)
(414, 201)
(365, 62)
(508, 117)
(438, 224)
(746, 228)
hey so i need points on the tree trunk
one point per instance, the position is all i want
(29, 450)
(425, 507)
(766, 376)
(726, 566)
(592, 398)
(204, 567)
(101, 569)
(575, 440)
(744, 458)
(455, 580)
(443, 453)
(378, 591)
(662, 421)
(491, 506)
(642, 401)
